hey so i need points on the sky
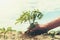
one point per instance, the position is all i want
(10, 10)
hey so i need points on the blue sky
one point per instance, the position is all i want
(49, 16)
(10, 10)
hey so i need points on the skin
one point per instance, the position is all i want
(39, 29)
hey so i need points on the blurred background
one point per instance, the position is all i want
(10, 10)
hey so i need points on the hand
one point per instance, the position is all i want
(39, 29)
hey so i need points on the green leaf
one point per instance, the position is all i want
(29, 16)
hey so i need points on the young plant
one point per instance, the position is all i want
(30, 16)
(4, 32)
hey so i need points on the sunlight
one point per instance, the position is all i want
(12, 9)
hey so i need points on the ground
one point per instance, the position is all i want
(20, 36)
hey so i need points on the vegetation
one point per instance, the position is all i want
(4, 31)
(30, 16)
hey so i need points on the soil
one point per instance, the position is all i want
(17, 36)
